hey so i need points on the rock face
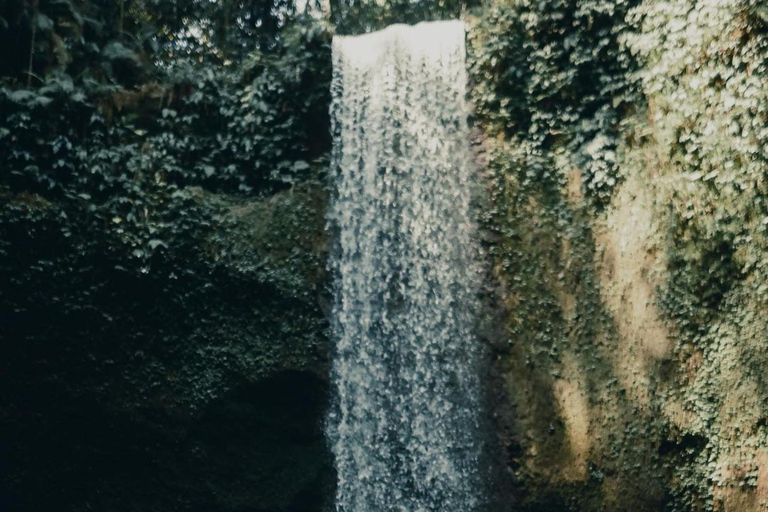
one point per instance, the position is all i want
(602, 398)
(195, 386)
(627, 292)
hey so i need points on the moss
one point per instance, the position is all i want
(630, 315)
(184, 380)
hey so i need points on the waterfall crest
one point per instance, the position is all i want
(403, 428)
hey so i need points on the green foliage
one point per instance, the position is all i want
(257, 127)
(252, 128)
(702, 271)
(553, 73)
(673, 95)
(702, 71)
(357, 17)
(130, 274)
(710, 111)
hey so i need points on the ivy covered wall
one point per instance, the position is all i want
(625, 157)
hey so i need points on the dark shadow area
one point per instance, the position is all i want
(259, 447)
(264, 443)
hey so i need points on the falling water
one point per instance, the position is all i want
(404, 426)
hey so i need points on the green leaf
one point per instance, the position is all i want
(66, 7)
(118, 51)
(43, 101)
(43, 23)
(21, 96)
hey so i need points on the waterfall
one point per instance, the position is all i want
(404, 425)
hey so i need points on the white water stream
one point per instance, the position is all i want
(404, 425)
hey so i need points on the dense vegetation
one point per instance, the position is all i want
(144, 282)
(625, 147)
